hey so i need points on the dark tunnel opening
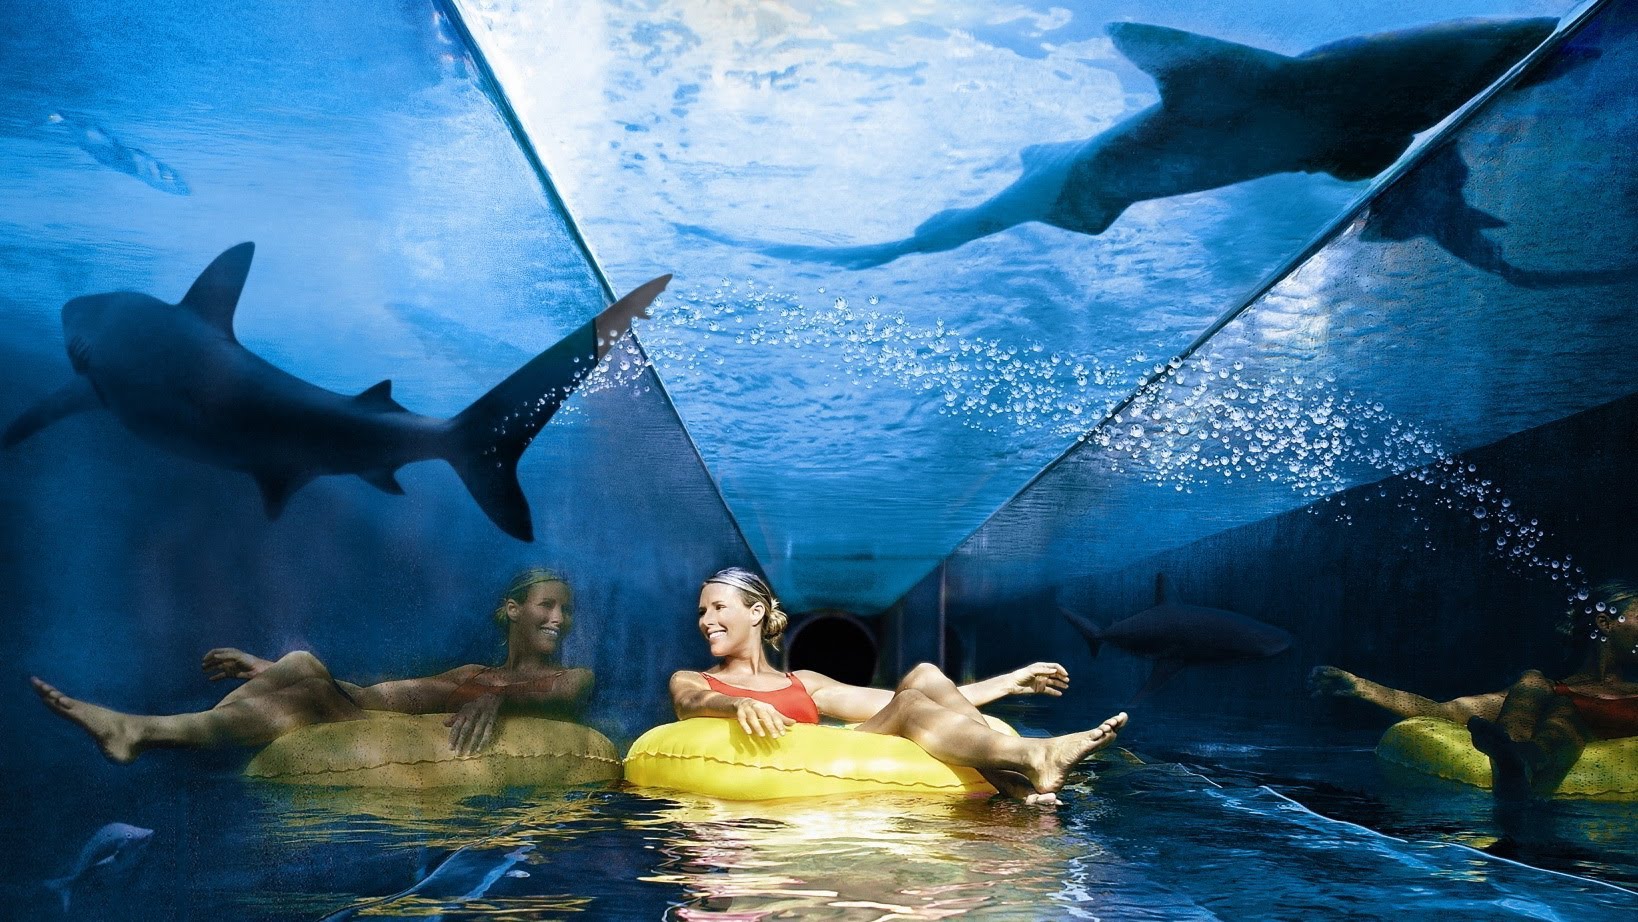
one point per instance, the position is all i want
(835, 643)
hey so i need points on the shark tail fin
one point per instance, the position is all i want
(489, 436)
(1091, 632)
(63, 887)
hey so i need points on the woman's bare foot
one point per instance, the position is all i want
(1060, 753)
(1019, 788)
(114, 732)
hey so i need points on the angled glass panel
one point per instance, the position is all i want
(399, 234)
(887, 315)
(1453, 309)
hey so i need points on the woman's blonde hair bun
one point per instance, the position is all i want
(753, 590)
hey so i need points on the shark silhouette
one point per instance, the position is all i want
(1177, 635)
(1227, 113)
(1430, 201)
(176, 375)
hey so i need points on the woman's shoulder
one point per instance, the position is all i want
(812, 680)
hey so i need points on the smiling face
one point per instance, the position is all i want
(541, 620)
(727, 623)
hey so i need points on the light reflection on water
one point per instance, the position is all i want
(1140, 841)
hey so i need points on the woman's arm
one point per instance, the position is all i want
(852, 703)
(1034, 679)
(1338, 683)
(692, 697)
(561, 695)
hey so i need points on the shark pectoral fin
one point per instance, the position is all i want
(63, 887)
(1165, 668)
(215, 294)
(379, 397)
(277, 488)
(383, 480)
(1482, 219)
(1193, 69)
(1088, 630)
(76, 396)
(1037, 156)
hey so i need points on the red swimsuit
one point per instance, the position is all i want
(1607, 718)
(793, 700)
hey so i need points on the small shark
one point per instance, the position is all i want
(465, 875)
(1227, 113)
(176, 375)
(108, 151)
(1430, 201)
(108, 856)
(1177, 635)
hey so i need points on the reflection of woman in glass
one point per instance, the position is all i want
(738, 614)
(1534, 731)
(297, 690)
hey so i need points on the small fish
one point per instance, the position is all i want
(109, 855)
(133, 161)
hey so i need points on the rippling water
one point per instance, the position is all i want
(1198, 830)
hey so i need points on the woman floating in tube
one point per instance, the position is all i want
(1535, 730)
(297, 690)
(738, 614)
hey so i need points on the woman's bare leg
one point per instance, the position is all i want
(932, 682)
(247, 722)
(955, 739)
(1533, 742)
(288, 670)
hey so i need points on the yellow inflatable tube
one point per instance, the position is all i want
(412, 751)
(1607, 769)
(714, 757)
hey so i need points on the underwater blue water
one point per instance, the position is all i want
(1205, 831)
(859, 424)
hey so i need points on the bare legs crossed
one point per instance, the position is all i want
(294, 692)
(1533, 742)
(930, 711)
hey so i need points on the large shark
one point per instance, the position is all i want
(1227, 113)
(1177, 635)
(176, 375)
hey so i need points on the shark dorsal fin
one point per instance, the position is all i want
(379, 397)
(215, 293)
(1188, 67)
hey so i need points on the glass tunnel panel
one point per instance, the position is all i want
(920, 248)
(1405, 443)
(399, 234)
